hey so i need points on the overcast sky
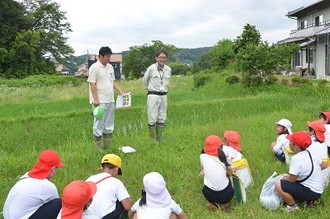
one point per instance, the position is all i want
(183, 23)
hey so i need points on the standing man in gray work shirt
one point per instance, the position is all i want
(156, 80)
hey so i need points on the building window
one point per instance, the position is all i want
(327, 61)
(309, 55)
(319, 20)
(296, 59)
(303, 24)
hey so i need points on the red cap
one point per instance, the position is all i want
(318, 128)
(212, 144)
(233, 139)
(74, 198)
(327, 114)
(301, 139)
(47, 160)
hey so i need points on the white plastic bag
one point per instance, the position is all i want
(269, 198)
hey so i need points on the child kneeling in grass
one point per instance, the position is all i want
(304, 181)
(156, 201)
(217, 188)
(283, 129)
(325, 119)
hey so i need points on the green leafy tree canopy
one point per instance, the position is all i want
(140, 58)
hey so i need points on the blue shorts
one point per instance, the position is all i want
(299, 191)
(219, 197)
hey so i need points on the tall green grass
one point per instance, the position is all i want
(59, 117)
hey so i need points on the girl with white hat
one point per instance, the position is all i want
(156, 201)
(283, 129)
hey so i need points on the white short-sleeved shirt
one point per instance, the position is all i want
(317, 149)
(145, 212)
(27, 195)
(85, 215)
(327, 134)
(155, 79)
(231, 153)
(281, 143)
(108, 192)
(301, 166)
(215, 175)
(103, 76)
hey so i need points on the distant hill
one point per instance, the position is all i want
(183, 55)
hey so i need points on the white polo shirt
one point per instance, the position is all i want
(27, 195)
(145, 212)
(108, 192)
(215, 175)
(103, 76)
(301, 166)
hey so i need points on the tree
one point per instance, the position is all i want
(203, 63)
(250, 35)
(140, 58)
(222, 53)
(12, 21)
(264, 60)
(179, 68)
(46, 17)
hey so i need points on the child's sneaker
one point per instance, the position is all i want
(291, 208)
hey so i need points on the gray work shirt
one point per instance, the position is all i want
(157, 79)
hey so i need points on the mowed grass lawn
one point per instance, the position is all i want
(59, 118)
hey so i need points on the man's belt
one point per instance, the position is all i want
(157, 93)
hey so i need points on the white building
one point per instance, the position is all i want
(313, 35)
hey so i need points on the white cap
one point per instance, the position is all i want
(285, 123)
(157, 195)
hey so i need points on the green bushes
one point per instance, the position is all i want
(201, 79)
(322, 83)
(299, 81)
(271, 80)
(285, 81)
(232, 79)
(42, 81)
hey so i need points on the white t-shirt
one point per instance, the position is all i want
(103, 76)
(231, 153)
(301, 166)
(27, 195)
(108, 192)
(281, 143)
(85, 215)
(145, 212)
(215, 176)
(327, 134)
(317, 149)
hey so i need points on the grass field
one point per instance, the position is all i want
(59, 118)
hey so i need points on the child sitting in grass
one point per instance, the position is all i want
(156, 201)
(217, 188)
(304, 181)
(283, 129)
(325, 119)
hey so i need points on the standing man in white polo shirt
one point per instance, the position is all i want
(156, 80)
(101, 84)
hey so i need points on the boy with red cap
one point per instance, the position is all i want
(76, 198)
(283, 129)
(318, 147)
(217, 189)
(111, 199)
(34, 196)
(304, 181)
(325, 119)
